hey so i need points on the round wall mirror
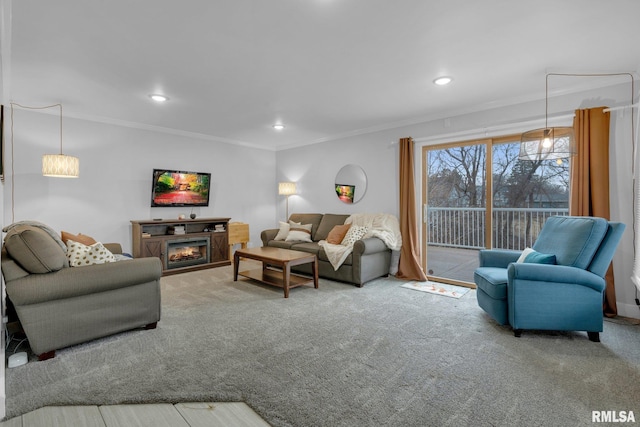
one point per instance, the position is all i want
(351, 184)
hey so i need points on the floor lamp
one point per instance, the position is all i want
(287, 189)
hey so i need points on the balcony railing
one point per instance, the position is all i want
(513, 228)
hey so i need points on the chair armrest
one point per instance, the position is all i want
(555, 274)
(76, 281)
(499, 258)
(369, 245)
(267, 235)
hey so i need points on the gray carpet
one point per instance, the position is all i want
(381, 355)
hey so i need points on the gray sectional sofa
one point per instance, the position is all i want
(370, 259)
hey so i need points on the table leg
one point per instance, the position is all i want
(286, 274)
(236, 263)
(315, 272)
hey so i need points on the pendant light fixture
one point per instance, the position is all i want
(60, 165)
(54, 165)
(549, 143)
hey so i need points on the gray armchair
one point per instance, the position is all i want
(59, 306)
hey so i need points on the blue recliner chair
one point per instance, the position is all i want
(560, 286)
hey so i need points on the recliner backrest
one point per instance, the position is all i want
(607, 249)
(574, 240)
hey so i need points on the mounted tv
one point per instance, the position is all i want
(180, 188)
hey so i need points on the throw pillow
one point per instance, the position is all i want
(80, 238)
(337, 233)
(355, 233)
(81, 255)
(34, 249)
(299, 233)
(283, 231)
(533, 257)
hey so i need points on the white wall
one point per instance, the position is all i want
(114, 187)
(314, 167)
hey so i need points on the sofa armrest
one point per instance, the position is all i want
(114, 248)
(76, 281)
(369, 245)
(268, 235)
(499, 258)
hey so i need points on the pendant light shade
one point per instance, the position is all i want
(548, 143)
(60, 166)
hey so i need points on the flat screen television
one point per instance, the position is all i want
(180, 188)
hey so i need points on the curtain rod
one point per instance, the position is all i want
(622, 107)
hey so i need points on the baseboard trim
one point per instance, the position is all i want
(628, 310)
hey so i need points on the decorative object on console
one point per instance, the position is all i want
(55, 165)
(287, 189)
(350, 184)
(180, 188)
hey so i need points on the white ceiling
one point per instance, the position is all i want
(324, 68)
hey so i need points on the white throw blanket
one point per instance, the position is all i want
(383, 226)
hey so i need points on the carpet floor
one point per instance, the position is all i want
(380, 355)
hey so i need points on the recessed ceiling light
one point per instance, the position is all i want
(278, 126)
(444, 80)
(158, 98)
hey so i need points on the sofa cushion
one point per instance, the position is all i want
(337, 233)
(299, 232)
(34, 249)
(533, 257)
(308, 218)
(355, 233)
(310, 247)
(493, 281)
(328, 222)
(81, 255)
(281, 244)
(282, 231)
(82, 238)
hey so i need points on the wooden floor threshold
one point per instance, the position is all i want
(196, 414)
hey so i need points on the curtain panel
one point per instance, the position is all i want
(409, 267)
(590, 179)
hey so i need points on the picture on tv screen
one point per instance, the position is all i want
(345, 192)
(180, 188)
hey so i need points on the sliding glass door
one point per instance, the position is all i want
(478, 194)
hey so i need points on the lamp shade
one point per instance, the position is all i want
(547, 144)
(60, 166)
(286, 188)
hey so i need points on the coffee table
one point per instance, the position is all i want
(276, 257)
